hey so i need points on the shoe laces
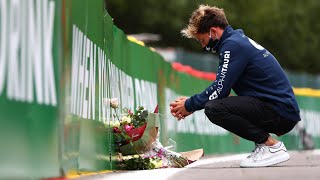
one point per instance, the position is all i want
(259, 148)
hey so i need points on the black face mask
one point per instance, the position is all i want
(211, 44)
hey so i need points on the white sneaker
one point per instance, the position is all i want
(263, 156)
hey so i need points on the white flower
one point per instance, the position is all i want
(127, 157)
(126, 119)
(114, 103)
(116, 124)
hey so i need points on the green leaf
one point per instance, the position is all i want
(126, 136)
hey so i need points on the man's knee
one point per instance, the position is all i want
(214, 110)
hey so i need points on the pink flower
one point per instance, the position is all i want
(128, 127)
(129, 112)
(114, 103)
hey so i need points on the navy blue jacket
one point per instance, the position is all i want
(250, 70)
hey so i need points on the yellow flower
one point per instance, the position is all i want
(156, 163)
(126, 119)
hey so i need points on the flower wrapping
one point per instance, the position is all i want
(136, 134)
(149, 136)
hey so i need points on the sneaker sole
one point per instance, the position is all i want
(270, 162)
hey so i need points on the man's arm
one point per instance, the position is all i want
(232, 63)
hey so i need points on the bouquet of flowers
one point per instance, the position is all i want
(130, 126)
(137, 136)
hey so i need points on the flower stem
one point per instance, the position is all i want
(116, 114)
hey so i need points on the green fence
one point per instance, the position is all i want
(60, 60)
(30, 56)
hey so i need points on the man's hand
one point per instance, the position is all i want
(178, 109)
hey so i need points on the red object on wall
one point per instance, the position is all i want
(193, 72)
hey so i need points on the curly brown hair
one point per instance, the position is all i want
(203, 18)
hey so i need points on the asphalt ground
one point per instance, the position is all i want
(303, 165)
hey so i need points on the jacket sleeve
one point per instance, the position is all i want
(232, 62)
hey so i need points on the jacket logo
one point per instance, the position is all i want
(223, 71)
(213, 96)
